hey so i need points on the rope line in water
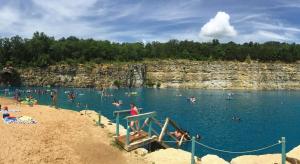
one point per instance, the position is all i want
(238, 152)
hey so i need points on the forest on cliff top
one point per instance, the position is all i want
(42, 50)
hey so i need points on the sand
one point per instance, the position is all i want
(60, 136)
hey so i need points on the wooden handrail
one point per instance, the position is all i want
(124, 111)
(140, 116)
(160, 125)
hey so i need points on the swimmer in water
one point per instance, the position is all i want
(117, 103)
(235, 118)
(192, 99)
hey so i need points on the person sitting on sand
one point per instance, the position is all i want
(134, 111)
(5, 113)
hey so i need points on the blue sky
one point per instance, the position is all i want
(154, 20)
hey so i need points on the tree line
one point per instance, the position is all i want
(42, 50)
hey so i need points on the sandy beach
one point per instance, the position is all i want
(64, 136)
(59, 136)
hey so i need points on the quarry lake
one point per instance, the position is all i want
(261, 117)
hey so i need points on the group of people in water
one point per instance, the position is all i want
(71, 96)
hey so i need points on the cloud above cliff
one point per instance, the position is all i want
(218, 27)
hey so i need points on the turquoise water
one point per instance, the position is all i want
(265, 116)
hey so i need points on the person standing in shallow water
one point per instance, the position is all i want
(53, 96)
(134, 111)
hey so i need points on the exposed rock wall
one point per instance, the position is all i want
(106, 75)
(224, 75)
(170, 73)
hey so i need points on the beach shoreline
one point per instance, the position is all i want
(67, 136)
(59, 136)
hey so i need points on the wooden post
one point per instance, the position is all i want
(127, 135)
(283, 155)
(117, 124)
(163, 130)
(193, 151)
(181, 140)
(150, 128)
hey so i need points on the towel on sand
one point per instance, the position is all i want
(2, 111)
(20, 120)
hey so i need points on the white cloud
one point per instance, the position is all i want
(66, 8)
(272, 36)
(8, 16)
(218, 27)
(264, 36)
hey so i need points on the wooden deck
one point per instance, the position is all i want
(135, 141)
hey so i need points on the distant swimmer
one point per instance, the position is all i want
(117, 103)
(235, 118)
(192, 99)
(198, 137)
(229, 96)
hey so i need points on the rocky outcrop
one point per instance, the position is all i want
(170, 73)
(100, 76)
(224, 74)
(213, 159)
(170, 155)
(9, 76)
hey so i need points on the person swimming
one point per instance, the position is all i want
(198, 137)
(178, 134)
(192, 99)
(117, 103)
(229, 96)
(235, 118)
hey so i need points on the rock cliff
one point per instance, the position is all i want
(170, 73)
(224, 75)
(100, 76)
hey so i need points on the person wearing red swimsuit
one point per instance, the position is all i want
(134, 111)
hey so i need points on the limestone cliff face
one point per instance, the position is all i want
(106, 75)
(224, 75)
(170, 73)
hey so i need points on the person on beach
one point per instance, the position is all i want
(134, 111)
(5, 113)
